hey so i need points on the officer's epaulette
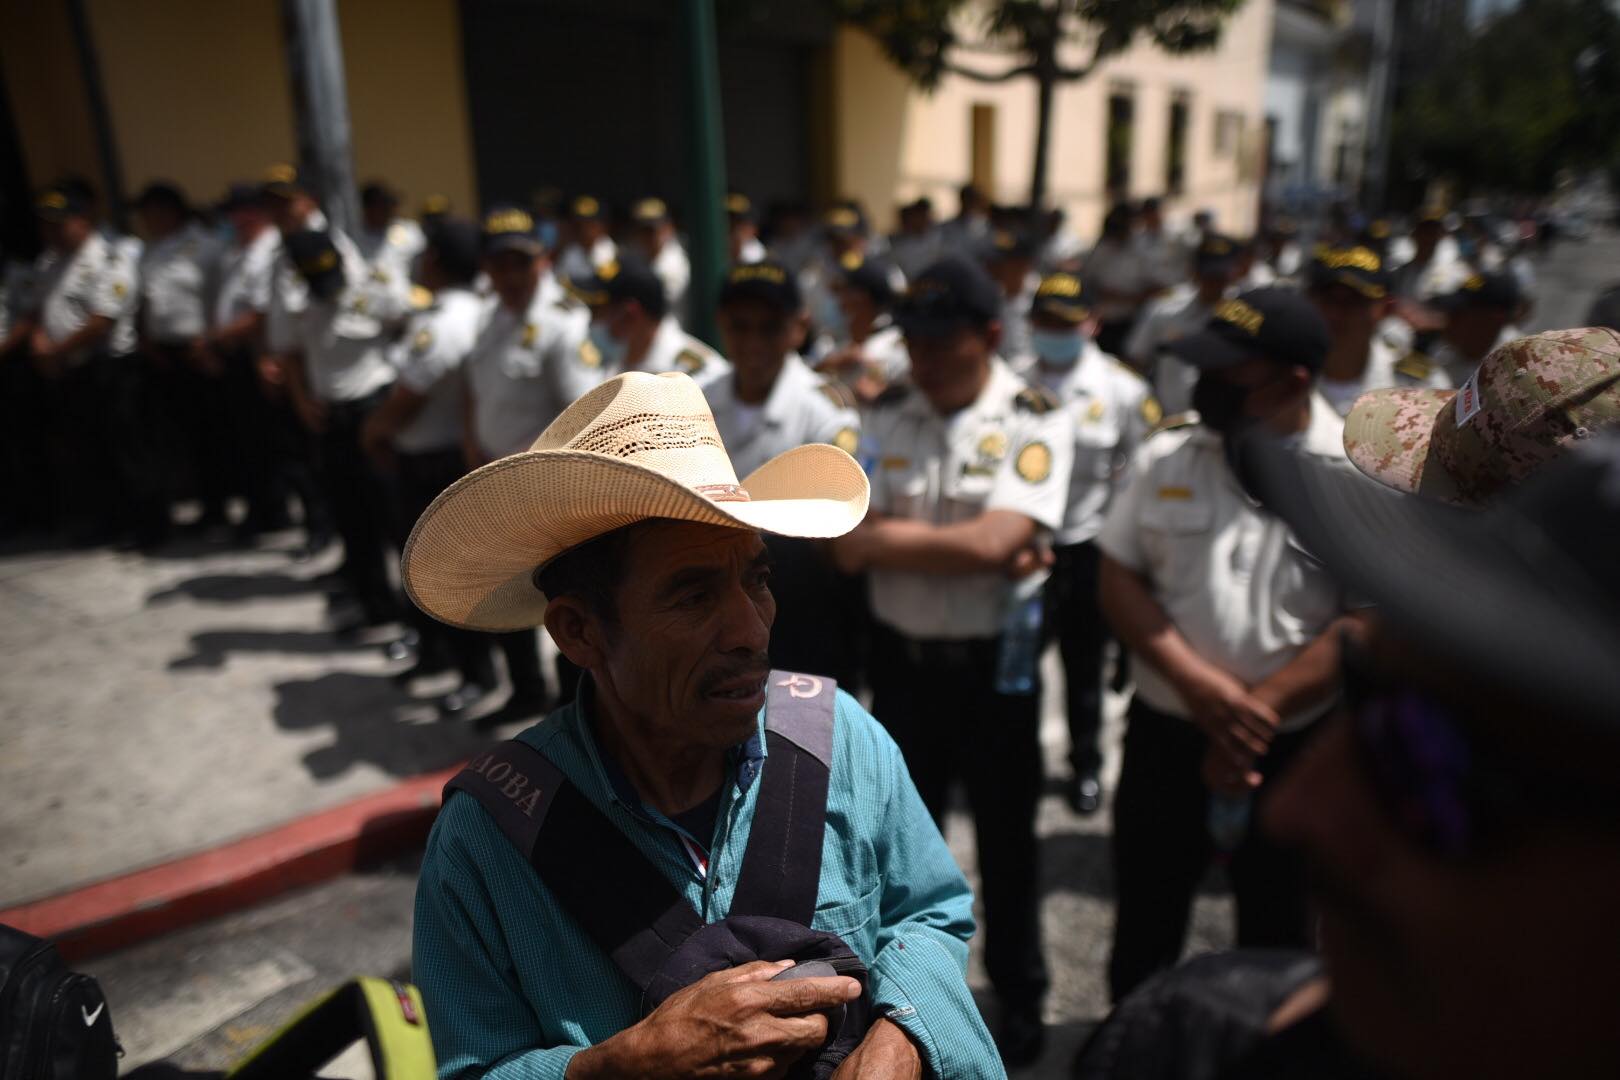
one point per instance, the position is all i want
(1415, 365)
(567, 302)
(1171, 423)
(893, 394)
(840, 395)
(1037, 399)
(692, 359)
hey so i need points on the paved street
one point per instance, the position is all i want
(154, 707)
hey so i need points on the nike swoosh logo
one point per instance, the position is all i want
(91, 1017)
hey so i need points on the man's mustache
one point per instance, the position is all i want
(756, 666)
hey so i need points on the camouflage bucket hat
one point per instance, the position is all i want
(1529, 402)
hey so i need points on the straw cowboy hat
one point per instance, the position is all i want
(638, 446)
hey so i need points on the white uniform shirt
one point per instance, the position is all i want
(671, 349)
(175, 273)
(245, 275)
(1166, 319)
(1230, 576)
(394, 249)
(289, 295)
(94, 281)
(674, 270)
(1164, 258)
(884, 349)
(1112, 412)
(345, 340)
(1440, 276)
(752, 251)
(577, 264)
(1015, 319)
(1010, 450)
(801, 408)
(429, 359)
(1456, 366)
(514, 365)
(1386, 367)
(1117, 267)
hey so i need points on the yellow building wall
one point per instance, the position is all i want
(408, 99)
(197, 90)
(46, 91)
(893, 143)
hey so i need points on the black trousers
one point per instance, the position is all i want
(247, 431)
(1162, 849)
(938, 700)
(1073, 617)
(360, 507)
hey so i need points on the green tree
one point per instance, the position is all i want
(1532, 93)
(998, 41)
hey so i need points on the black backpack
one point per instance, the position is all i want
(633, 913)
(53, 1022)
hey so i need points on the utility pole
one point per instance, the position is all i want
(321, 103)
(706, 165)
(1380, 104)
(112, 169)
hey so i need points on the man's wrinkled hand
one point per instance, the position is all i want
(730, 1023)
(1029, 560)
(1239, 725)
(887, 1053)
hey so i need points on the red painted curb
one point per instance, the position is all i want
(121, 911)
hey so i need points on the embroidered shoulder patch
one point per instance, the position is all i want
(1034, 462)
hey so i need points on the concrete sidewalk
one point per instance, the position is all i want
(155, 706)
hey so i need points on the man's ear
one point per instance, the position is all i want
(577, 632)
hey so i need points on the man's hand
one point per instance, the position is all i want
(1029, 560)
(1239, 725)
(46, 359)
(731, 1023)
(887, 1053)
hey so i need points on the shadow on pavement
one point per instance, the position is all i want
(211, 648)
(1077, 862)
(373, 722)
(236, 588)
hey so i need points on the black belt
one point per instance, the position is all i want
(940, 652)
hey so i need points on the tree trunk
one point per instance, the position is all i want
(1045, 81)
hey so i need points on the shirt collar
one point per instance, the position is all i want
(1324, 437)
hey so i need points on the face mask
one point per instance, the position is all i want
(612, 349)
(1220, 404)
(1057, 348)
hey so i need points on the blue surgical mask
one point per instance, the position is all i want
(1057, 348)
(612, 349)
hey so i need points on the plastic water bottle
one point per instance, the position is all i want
(1228, 820)
(1018, 662)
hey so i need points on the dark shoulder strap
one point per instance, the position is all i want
(781, 871)
(626, 905)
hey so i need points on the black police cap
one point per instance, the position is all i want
(1275, 324)
(1358, 268)
(59, 203)
(1497, 291)
(870, 276)
(457, 245)
(952, 293)
(768, 281)
(317, 260)
(624, 278)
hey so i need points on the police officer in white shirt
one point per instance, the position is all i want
(630, 329)
(247, 431)
(415, 436)
(1480, 315)
(338, 375)
(652, 234)
(387, 242)
(1117, 278)
(74, 327)
(1234, 630)
(1351, 289)
(865, 351)
(1434, 269)
(918, 244)
(970, 472)
(1217, 264)
(588, 245)
(513, 394)
(1113, 411)
(1163, 254)
(185, 404)
(743, 242)
(1010, 259)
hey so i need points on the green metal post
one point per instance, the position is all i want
(706, 163)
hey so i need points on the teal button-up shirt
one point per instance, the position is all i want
(514, 987)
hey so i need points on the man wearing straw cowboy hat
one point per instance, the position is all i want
(669, 765)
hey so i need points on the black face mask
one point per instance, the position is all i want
(1220, 404)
